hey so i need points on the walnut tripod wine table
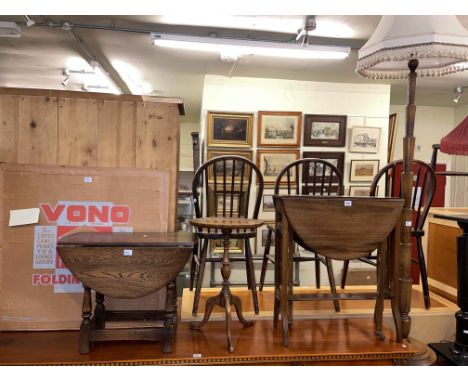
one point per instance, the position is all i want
(225, 299)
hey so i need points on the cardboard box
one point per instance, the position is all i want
(37, 292)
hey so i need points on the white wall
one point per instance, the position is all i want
(460, 163)
(364, 104)
(431, 124)
(186, 149)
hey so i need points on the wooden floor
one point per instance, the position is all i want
(345, 339)
(324, 342)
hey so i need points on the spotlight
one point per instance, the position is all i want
(458, 91)
(65, 80)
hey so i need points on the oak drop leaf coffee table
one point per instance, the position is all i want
(225, 299)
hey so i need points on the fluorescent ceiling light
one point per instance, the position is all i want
(9, 29)
(238, 48)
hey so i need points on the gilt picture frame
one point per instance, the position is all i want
(226, 129)
(279, 129)
(271, 162)
(210, 154)
(363, 170)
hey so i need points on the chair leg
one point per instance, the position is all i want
(193, 266)
(422, 269)
(297, 279)
(251, 275)
(201, 270)
(265, 261)
(248, 266)
(344, 274)
(317, 271)
(379, 304)
(331, 279)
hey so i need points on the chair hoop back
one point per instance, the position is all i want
(319, 177)
(226, 182)
(424, 184)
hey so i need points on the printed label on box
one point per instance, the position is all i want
(67, 217)
(45, 240)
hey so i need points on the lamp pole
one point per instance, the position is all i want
(405, 281)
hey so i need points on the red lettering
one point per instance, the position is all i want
(120, 214)
(76, 213)
(102, 215)
(36, 278)
(52, 215)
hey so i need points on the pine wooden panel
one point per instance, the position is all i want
(8, 128)
(116, 134)
(442, 253)
(157, 139)
(78, 133)
(37, 130)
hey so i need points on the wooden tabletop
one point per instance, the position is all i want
(226, 222)
(127, 239)
(457, 218)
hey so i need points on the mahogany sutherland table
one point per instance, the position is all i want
(126, 265)
(225, 299)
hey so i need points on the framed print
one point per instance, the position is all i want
(279, 128)
(363, 170)
(364, 139)
(229, 129)
(360, 190)
(334, 157)
(267, 203)
(319, 190)
(219, 168)
(392, 131)
(271, 162)
(262, 234)
(325, 130)
(236, 246)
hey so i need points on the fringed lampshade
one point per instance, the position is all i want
(456, 142)
(439, 43)
(436, 46)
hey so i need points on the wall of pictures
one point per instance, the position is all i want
(277, 121)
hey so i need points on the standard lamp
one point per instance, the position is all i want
(435, 46)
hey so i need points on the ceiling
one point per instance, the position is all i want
(122, 46)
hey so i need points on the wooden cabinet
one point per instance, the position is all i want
(442, 252)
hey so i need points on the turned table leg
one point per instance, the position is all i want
(170, 316)
(85, 327)
(100, 311)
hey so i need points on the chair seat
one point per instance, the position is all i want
(217, 234)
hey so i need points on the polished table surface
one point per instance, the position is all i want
(135, 239)
(225, 298)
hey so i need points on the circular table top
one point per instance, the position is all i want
(221, 222)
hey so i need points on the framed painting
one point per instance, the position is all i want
(325, 130)
(236, 246)
(364, 139)
(262, 234)
(392, 131)
(229, 129)
(271, 162)
(363, 170)
(360, 190)
(279, 128)
(336, 158)
(267, 203)
(219, 168)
